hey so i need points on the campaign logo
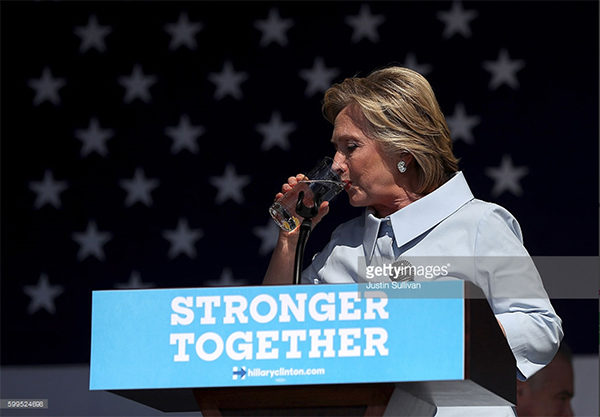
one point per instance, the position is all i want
(239, 373)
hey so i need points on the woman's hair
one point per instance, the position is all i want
(403, 115)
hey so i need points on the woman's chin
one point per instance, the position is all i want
(356, 201)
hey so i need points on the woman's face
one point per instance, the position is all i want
(366, 170)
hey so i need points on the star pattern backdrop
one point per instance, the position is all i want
(142, 143)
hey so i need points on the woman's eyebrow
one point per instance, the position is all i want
(342, 138)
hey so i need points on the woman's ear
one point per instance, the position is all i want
(406, 157)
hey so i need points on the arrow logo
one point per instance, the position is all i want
(239, 372)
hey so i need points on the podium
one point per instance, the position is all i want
(248, 350)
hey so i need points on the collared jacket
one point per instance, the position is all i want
(466, 239)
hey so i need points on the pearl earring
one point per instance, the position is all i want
(402, 167)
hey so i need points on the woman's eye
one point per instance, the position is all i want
(351, 147)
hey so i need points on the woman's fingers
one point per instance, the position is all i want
(323, 210)
(294, 180)
(291, 183)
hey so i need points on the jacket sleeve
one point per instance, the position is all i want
(514, 289)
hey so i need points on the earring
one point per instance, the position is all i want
(402, 167)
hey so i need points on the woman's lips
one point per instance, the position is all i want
(347, 184)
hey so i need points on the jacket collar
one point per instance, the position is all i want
(419, 216)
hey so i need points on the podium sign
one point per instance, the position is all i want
(277, 335)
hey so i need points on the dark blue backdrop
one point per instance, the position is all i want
(209, 152)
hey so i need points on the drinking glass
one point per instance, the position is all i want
(321, 183)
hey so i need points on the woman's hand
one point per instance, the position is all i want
(280, 270)
(289, 187)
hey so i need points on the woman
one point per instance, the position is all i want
(394, 153)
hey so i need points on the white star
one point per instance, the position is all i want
(139, 188)
(94, 139)
(137, 85)
(365, 24)
(229, 186)
(461, 125)
(411, 63)
(226, 280)
(42, 295)
(183, 239)
(457, 20)
(504, 70)
(46, 88)
(184, 135)
(506, 177)
(92, 35)
(91, 242)
(268, 234)
(135, 281)
(319, 77)
(228, 82)
(275, 132)
(47, 191)
(273, 28)
(183, 32)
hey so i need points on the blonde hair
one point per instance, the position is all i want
(403, 115)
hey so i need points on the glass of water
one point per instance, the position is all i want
(321, 183)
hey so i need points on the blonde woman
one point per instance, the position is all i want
(394, 153)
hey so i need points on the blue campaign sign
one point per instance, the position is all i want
(277, 335)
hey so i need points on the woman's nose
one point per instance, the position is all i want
(339, 163)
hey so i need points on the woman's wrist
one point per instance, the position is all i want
(288, 239)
